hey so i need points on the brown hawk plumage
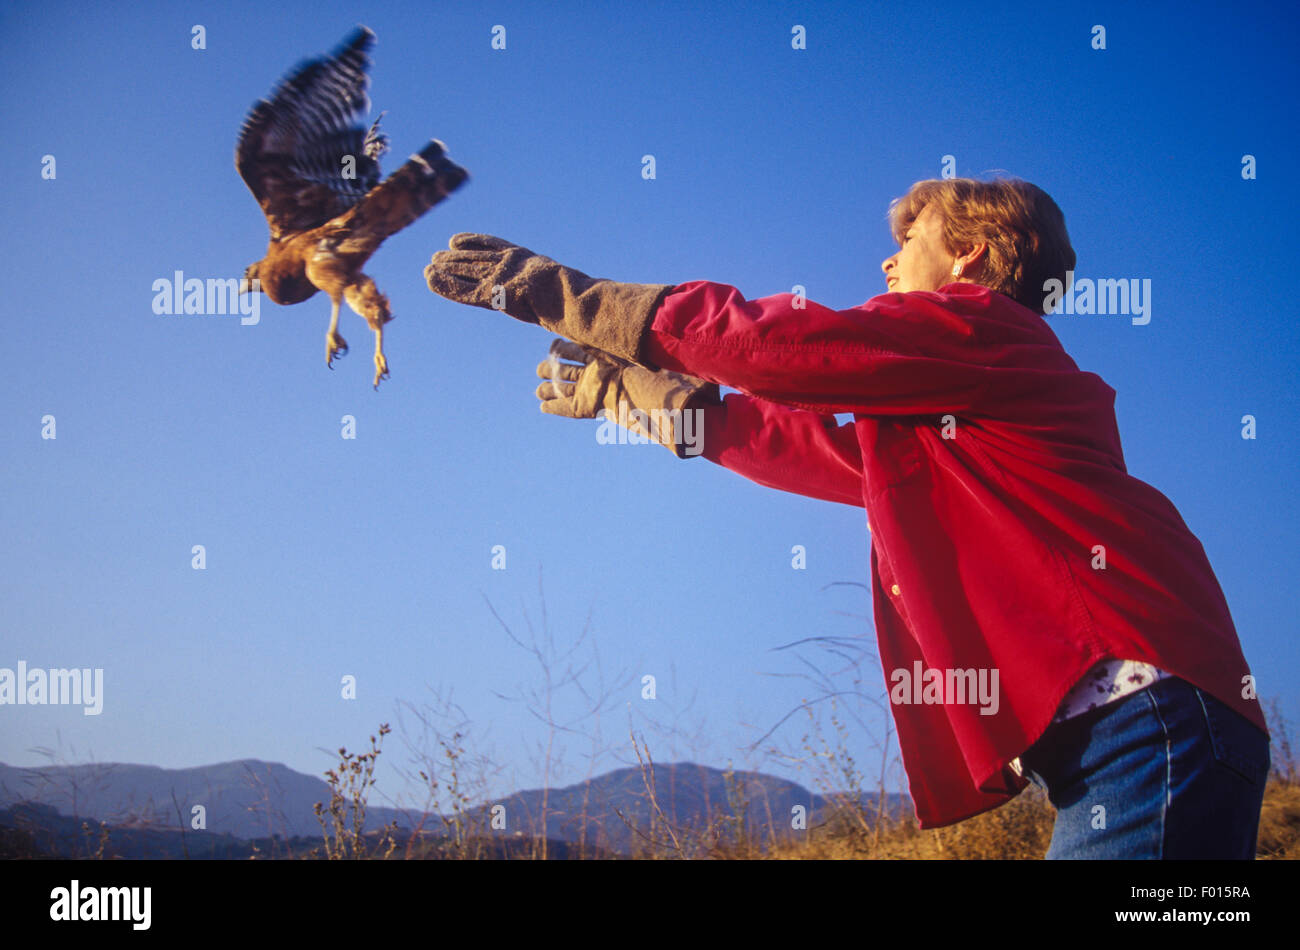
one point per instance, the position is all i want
(312, 165)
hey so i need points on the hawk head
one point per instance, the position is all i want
(283, 287)
(246, 285)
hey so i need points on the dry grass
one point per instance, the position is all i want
(1279, 822)
(1020, 829)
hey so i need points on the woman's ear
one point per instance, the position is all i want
(971, 264)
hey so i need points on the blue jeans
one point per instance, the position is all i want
(1168, 772)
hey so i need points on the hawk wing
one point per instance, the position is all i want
(291, 148)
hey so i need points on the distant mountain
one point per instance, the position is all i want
(33, 830)
(248, 798)
(692, 805)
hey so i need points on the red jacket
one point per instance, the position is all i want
(983, 544)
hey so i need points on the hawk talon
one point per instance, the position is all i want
(335, 349)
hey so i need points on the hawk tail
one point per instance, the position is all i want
(423, 181)
(430, 177)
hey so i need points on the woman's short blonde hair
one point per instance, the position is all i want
(1020, 223)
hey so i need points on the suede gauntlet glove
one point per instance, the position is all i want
(486, 271)
(654, 404)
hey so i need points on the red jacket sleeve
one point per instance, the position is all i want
(791, 449)
(896, 354)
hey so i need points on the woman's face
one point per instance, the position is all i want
(921, 263)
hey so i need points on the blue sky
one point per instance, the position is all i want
(775, 167)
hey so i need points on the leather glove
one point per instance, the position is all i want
(600, 383)
(486, 271)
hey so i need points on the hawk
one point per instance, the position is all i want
(313, 166)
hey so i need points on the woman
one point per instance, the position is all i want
(1041, 614)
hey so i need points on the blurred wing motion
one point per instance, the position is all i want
(313, 166)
